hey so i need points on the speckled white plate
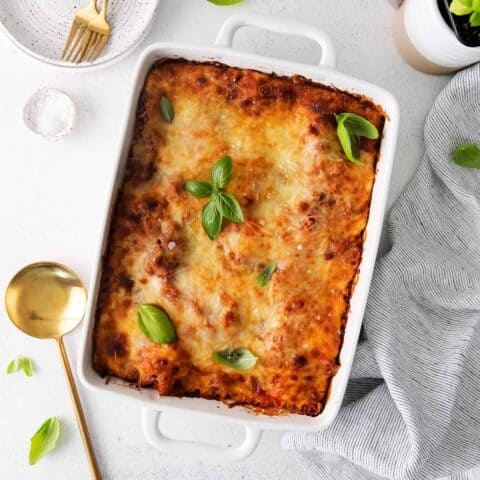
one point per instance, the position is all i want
(40, 27)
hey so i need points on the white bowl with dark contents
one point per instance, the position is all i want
(40, 28)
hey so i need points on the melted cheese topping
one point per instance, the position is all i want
(305, 206)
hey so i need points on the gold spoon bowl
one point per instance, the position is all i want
(48, 300)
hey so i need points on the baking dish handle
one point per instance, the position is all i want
(202, 451)
(278, 25)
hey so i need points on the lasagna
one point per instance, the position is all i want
(305, 207)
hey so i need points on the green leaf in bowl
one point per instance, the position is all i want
(461, 7)
(155, 324)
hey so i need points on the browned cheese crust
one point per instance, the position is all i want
(305, 205)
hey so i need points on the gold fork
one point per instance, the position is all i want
(80, 23)
(100, 34)
(89, 34)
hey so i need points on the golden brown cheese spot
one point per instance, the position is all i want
(305, 208)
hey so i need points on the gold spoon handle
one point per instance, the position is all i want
(77, 407)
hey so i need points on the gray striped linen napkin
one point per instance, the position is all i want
(412, 409)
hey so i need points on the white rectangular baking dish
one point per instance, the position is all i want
(325, 74)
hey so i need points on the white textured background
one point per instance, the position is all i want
(49, 209)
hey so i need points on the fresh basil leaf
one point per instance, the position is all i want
(166, 108)
(348, 142)
(229, 207)
(475, 19)
(198, 189)
(222, 172)
(236, 358)
(155, 324)
(21, 362)
(265, 274)
(467, 155)
(225, 2)
(26, 365)
(461, 7)
(358, 125)
(211, 219)
(14, 365)
(44, 440)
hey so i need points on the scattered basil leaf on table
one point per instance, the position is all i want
(349, 127)
(198, 189)
(229, 207)
(166, 109)
(225, 2)
(23, 363)
(467, 155)
(13, 366)
(222, 205)
(44, 440)
(155, 324)
(222, 173)
(236, 358)
(265, 274)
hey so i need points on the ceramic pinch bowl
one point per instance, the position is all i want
(49, 113)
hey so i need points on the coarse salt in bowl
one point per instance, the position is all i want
(49, 113)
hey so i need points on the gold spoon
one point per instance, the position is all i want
(47, 300)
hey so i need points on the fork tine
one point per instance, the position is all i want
(100, 47)
(71, 35)
(89, 46)
(76, 43)
(83, 46)
(93, 48)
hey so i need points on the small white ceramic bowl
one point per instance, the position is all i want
(40, 27)
(49, 113)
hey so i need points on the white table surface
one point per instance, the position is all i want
(50, 198)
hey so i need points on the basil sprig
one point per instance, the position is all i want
(222, 173)
(155, 324)
(23, 363)
(467, 155)
(44, 440)
(166, 109)
(225, 2)
(236, 358)
(349, 127)
(228, 207)
(467, 7)
(265, 274)
(198, 189)
(222, 204)
(211, 219)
